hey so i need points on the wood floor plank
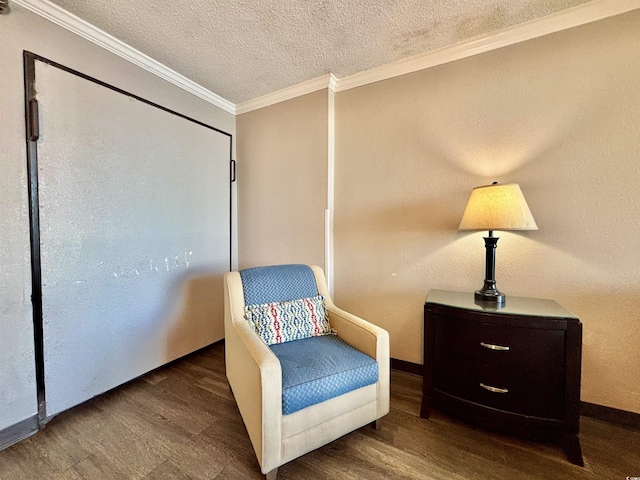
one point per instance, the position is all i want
(70, 474)
(526, 464)
(123, 451)
(206, 395)
(229, 435)
(172, 406)
(101, 467)
(244, 471)
(393, 463)
(168, 471)
(406, 391)
(334, 461)
(156, 376)
(60, 447)
(167, 439)
(51, 452)
(615, 457)
(441, 438)
(20, 462)
(181, 422)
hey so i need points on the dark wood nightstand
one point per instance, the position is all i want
(514, 369)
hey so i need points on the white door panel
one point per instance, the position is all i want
(134, 236)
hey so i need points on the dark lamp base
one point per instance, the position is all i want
(490, 296)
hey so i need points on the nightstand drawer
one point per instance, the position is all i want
(503, 388)
(525, 349)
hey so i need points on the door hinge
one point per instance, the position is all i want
(33, 121)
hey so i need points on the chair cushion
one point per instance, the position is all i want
(286, 321)
(277, 283)
(316, 369)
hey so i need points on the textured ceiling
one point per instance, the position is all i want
(242, 49)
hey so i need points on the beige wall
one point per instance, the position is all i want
(559, 115)
(22, 30)
(282, 176)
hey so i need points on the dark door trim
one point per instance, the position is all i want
(31, 135)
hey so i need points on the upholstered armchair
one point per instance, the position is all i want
(315, 382)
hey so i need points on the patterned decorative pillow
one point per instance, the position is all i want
(280, 322)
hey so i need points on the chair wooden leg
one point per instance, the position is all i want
(271, 475)
(376, 424)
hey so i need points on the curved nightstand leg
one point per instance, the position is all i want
(573, 451)
(425, 407)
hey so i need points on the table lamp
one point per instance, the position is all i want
(495, 207)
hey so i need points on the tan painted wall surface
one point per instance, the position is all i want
(559, 115)
(282, 175)
(22, 30)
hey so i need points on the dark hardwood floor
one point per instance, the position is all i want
(181, 422)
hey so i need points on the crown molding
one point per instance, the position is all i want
(564, 20)
(313, 85)
(74, 24)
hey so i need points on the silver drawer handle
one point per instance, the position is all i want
(491, 346)
(494, 389)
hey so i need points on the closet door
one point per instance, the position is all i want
(134, 235)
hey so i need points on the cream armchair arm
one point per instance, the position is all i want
(363, 335)
(255, 377)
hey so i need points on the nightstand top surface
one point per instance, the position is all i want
(513, 305)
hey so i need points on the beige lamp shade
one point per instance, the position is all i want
(497, 207)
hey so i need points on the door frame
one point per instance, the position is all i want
(31, 136)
